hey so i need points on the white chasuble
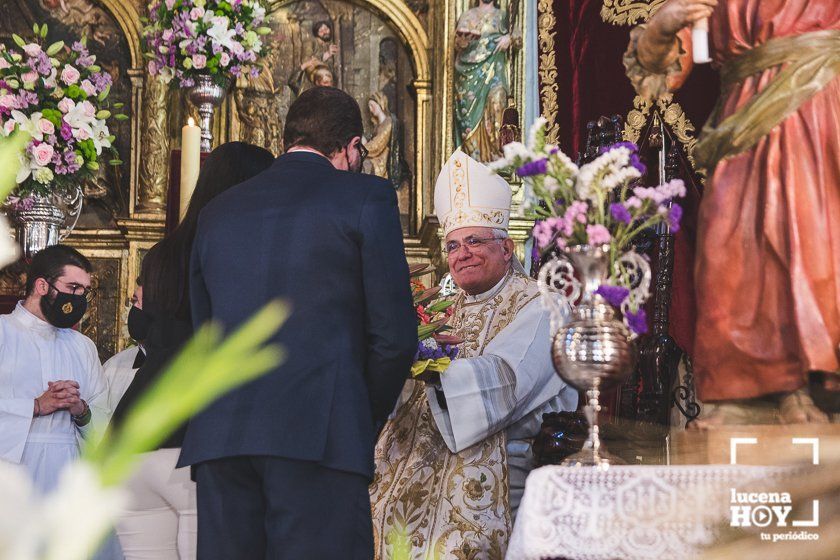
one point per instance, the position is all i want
(33, 352)
(451, 463)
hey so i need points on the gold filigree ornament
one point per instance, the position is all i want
(628, 12)
(672, 115)
(547, 67)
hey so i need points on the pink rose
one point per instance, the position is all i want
(70, 75)
(7, 101)
(42, 154)
(66, 105)
(29, 77)
(46, 126)
(199, 61)
(32, 49)
(167, 35)
(9, 127)
(197, 13)
(170, 4)
(224, 59)
(88, 87)
(4, 63)
(81, 133)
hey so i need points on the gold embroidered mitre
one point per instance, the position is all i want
(469, 194)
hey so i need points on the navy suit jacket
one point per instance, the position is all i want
(328, 242)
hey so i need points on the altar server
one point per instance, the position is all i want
(52, 391)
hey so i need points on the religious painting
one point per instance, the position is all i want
(348, 46)
(106, 197)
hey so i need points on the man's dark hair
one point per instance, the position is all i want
(316, 27)
(49, 264)
(323, 118)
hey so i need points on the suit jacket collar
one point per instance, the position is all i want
(303, 157)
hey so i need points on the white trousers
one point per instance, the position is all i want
(160, 522)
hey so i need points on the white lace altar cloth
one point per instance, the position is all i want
(626, 512)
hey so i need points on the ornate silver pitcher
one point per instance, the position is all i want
(593, 350)
(207, 94)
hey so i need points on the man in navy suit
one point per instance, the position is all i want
(283, 464)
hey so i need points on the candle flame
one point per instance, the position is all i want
(190, 122)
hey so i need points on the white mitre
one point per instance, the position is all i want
(469, 194)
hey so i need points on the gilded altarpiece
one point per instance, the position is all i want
(395, 57)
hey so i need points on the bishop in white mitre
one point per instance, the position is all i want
(35, 354)
(451, 463)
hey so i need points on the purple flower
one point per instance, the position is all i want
(597, 234)
(637, 321)
(66, 133)
(674, 215)
(629, 145)
(85, 61)
(620, 213)
(538, 167)
(101, 80)
(637, 163)
(613, 294)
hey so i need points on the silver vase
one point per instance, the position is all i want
(593, 350)
(48, 221)
(207, 94)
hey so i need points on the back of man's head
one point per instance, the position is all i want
(49, 264)
(324, 119)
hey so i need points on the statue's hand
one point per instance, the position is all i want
(675, 15)
(504, 43)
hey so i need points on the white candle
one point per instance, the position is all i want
(700, 41)
(190, 162)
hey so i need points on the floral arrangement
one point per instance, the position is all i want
(597, 203)
(435, 350)
(56, 95)
(187, 38)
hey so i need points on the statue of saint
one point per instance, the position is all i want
(767, 269)
(482, 43)
(319, 69)
(384, 153)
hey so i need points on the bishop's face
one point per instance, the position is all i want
(477, 259)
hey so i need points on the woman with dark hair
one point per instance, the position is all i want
(161, 519)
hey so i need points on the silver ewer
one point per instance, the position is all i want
(207, 94)
(593, 350)
(46, 220)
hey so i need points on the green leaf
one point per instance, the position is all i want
(118, 105)
(35, 29)
(83, 40)
(44, 31)
(103, 114)
(55, 48)
(104, 93)
(92, 165)
(10, 149)
(18, 40)
(121, 117)
(263, 30)
(94, 68)
(441, 305)
(115, 162)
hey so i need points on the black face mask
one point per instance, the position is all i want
(64, 310)
(138, 324)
